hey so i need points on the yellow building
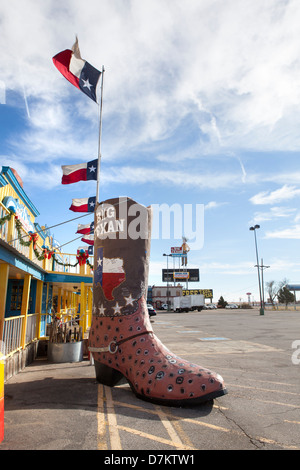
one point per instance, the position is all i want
(34, 274)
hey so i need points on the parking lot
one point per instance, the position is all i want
(60, 406)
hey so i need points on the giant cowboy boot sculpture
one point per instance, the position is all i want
(121, 338)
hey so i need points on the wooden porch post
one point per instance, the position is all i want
(4, 270)
(83, 306)
(24, 307)
(38, 306)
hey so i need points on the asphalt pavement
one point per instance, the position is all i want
(62, 407)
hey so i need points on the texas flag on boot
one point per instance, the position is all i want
(109, 273)
(86, 204)
(77, 70)
(85, 229)
(79, 172)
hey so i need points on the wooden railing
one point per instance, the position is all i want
(13, 332)
(70, 259)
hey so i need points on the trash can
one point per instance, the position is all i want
(65, 352)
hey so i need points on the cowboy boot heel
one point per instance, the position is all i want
(121, 337)
(106, 375)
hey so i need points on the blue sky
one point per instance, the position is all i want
(201, 106)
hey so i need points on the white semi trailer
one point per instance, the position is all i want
(188, 302)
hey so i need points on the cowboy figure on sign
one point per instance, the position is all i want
(185, 249)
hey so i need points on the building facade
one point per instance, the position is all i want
(164, 295)
(35, 275)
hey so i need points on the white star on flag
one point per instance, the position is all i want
(129, 300)
(117, 308)
(87, 84)
(101, 310)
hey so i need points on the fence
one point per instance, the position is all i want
(12, 334)
(13, 330)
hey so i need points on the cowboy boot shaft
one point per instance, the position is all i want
(121, 253)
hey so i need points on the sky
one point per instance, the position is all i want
(200, 110)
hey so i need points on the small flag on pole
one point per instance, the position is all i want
(85, 229)
(77, 70)
(79, 172)
(89, 239)
(83, 205)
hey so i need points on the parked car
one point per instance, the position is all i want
(231, 306)
(164, 307)
(151, 310)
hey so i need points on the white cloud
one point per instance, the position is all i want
(214, 205)
(140, 175)
(273, 213)
(289, 233)
(273, 197)
(213, 61)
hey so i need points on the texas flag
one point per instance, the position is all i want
(86, 204)
(85, 229)
(89, 239)
(77, 70)
(109, 273)
(80, 172)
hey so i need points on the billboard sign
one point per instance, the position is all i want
(176, 249)
(180, 275)
(208, 293)
(170, 275)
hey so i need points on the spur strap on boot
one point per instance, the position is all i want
(114, 345)
(121, 337)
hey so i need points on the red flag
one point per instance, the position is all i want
(85, 229)
(79, 172)
(86, 204)
(89, 239)
(77, 70)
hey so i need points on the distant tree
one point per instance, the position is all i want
(285, 296)
(272, 290)
(221, 302)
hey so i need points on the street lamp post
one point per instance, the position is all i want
(254, 228)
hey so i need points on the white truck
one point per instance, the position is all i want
(185, 303)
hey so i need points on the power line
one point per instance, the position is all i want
(48, 228)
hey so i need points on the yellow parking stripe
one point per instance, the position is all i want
(178, 439)
(101, 420)
(261, 389)
(156, 438)
(112, 421)
(174, 430)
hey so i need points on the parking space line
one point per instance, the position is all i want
(101, 435)
(289, 405)
(178, 438)
(115, 441)
(261, 389)
(156, 438)
(170, 427)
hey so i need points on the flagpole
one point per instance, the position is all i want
(99, 141)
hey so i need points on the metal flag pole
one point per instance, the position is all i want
(99, 141)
